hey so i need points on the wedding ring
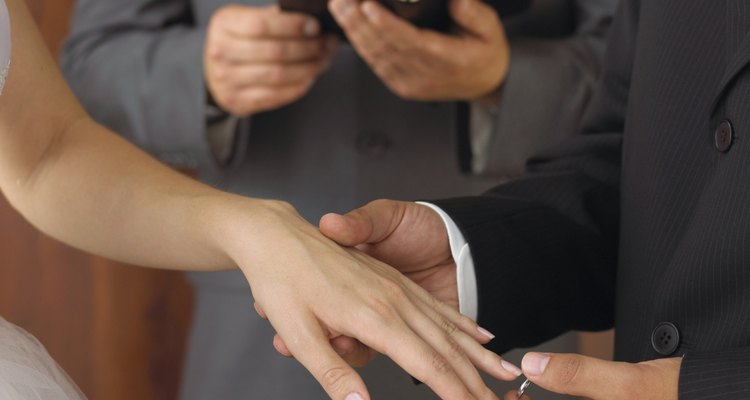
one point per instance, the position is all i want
(523, 388)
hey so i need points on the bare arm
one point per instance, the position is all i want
(80, 183)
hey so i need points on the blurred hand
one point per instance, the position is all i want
(420, 64)
(259, 59)
(313, 292)
(595, 379)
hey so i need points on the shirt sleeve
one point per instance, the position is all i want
(465, 275)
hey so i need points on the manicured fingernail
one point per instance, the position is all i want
(370, 11)
(534, 364)
(511, 368)
(342, 7)
(485, 332)
(311, 27)
(354, 396)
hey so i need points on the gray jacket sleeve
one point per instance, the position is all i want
(550, 82)
(137, 66)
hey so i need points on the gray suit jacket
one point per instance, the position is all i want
(137, 67)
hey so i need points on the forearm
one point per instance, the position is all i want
(96, 192)
(84, 185)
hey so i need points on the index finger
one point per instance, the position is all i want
(269, 22)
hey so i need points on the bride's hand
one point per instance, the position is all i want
(312, 291)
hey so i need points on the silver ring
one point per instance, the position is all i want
(523, 388)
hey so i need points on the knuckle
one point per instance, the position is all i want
(382, 310)
(232, 101)
(455, 352)
(490, 358)
(221, 74)
(335, 378)
(569, 370)
(277, 50)
(402, 88)
(377, 51)
(275, 74)
(448, 327)
(396, 291)
(463, 320)
(439, 364)
(435, 48)
(215, 50)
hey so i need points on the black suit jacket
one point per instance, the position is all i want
(642, 222)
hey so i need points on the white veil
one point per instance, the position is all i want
(4, 44)
(27, 372)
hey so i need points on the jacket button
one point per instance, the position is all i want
(665, 339)
(373, 144)
(723, 136)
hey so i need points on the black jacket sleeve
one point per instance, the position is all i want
(545, 246)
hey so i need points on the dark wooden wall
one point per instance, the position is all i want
(118, 331)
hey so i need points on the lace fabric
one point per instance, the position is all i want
(27, 372)
(4, 44)
(3, 76)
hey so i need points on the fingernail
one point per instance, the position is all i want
(370, 11)
(534, 364)
(354, 396)
(342, 8)
(511, 368)
(485, 332)
(311, 27)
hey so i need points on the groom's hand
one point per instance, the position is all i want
(595, 379)
(408, 236)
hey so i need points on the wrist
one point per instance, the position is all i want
(245, 230)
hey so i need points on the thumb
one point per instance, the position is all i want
(577, 375)
(372, 223)
(475, 17)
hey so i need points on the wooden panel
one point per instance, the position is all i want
(118, 331)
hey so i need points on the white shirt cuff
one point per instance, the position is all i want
(468, 303)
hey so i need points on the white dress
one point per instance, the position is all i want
(4, 44)
(27, 372)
